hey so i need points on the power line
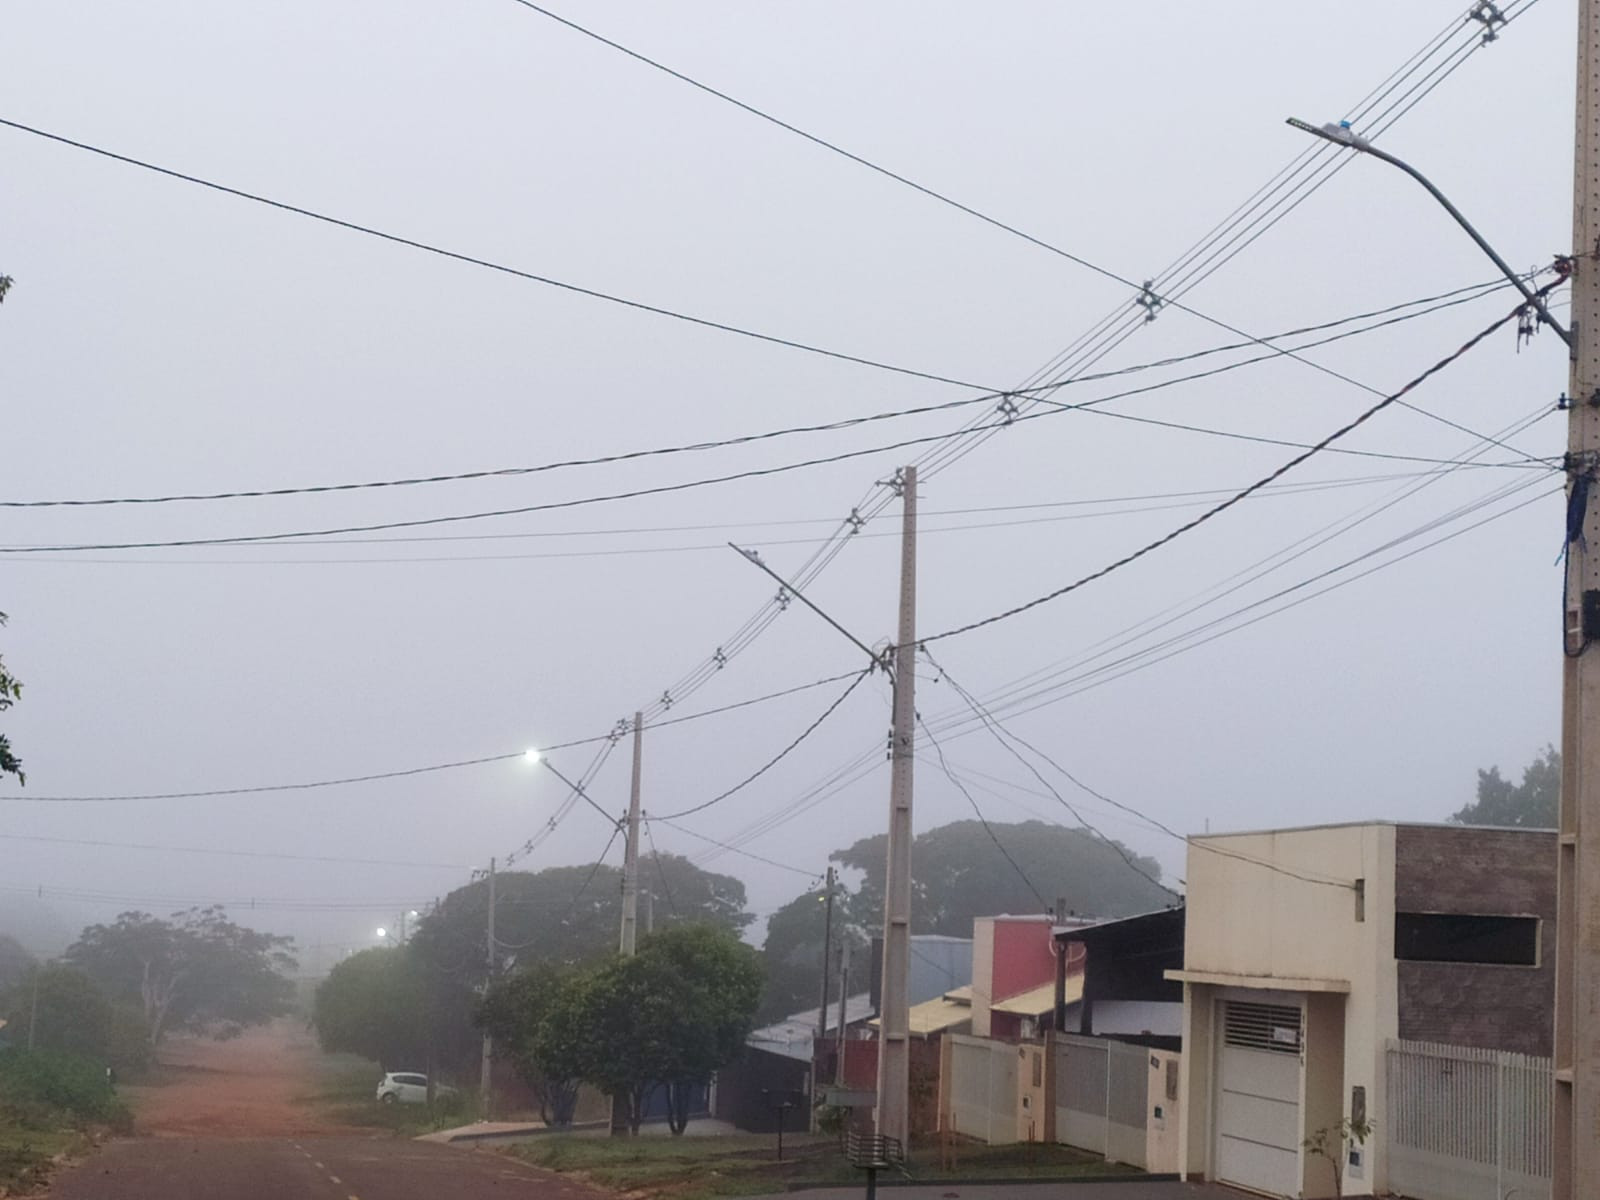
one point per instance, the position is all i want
(777, 758)
(444, 766)
(1218, 509)
(1425, 306)
(1044, 905)
(661, 873)
(736, 850)
(1001, 732)
(993, 727)
(266, 854)
(488, 264)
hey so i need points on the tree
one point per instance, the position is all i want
(792, 951)
(536, 1018)
(15, 961)
(670, 1015)
(1532, 804)
(565, 916)
(10, 688)
(960, 874)
(198, 971)
(375, 1004)
(63, 1009)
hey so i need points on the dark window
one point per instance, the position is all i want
(1459, 938)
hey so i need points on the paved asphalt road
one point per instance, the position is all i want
(307, 1168)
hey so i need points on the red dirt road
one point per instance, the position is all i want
(253, 1086)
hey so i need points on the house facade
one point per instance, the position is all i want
(1307, 950)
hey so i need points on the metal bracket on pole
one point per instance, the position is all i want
(1490, 17)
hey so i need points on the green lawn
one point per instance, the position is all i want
(693, 1168)
(344, 1095)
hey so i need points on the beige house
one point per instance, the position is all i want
(1307, 950)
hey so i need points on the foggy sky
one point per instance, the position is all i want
(162, 338)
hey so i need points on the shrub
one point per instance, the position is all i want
(36, 1084)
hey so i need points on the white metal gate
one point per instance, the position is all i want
(1102, 1097)
(1257, 1115)
(1467, 1124)
(983, 1089)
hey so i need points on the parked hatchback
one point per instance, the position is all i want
(405, 1087)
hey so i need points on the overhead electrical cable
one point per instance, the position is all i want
(340, 781)
(1216, 510)
(777, 758)
(217, 851)
(1393, 314)
(489, 264)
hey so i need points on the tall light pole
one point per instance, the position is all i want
(1575, 1109)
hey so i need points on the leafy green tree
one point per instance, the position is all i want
(10, 687)
(1532, 804)
(669, 1016)
(199, 971)
(536, 1018)
(959, 874)
(375, 1004)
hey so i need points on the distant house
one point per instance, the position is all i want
(1123, 989)
(777, 1063)
(1309, 952)
(1014, 968)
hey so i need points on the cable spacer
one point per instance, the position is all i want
(855, 520)
(782, 598)
(1148, 300)
(1488, 14)
(720, 658)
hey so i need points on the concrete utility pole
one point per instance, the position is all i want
(893, 1115)
(621, 1126)
(630, 859)
(1576, 1115)
(485, 1067)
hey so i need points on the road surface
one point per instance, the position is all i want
(232, 1121)
(305, 1168)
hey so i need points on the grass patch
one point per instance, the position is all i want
(694, 1168)
(26, 1155)
(344, 1094)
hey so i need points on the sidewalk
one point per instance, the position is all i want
(1132, 1189)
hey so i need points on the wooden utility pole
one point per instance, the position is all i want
(893, 1117)
(485, 1066)
(630, 860)
(1576, 1112)
(827, 952)
(844, 991)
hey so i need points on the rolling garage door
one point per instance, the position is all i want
(1257, 1126)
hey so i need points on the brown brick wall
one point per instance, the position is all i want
(1493, 872)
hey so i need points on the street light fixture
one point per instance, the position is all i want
(1341, 134)
(531, 756)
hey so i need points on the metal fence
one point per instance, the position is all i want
(1467, 1124)
(1102, 1097)
(983, 1089)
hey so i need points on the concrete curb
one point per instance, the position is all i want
(988, 1181)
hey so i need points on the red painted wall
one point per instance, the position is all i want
(1024, 958)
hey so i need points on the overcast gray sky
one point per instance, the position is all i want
(161, 338)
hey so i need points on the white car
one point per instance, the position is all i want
(406, 1087)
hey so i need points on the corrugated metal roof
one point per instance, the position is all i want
(792, 1037)
(936, 1015)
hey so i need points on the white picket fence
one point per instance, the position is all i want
(1467, 1124)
